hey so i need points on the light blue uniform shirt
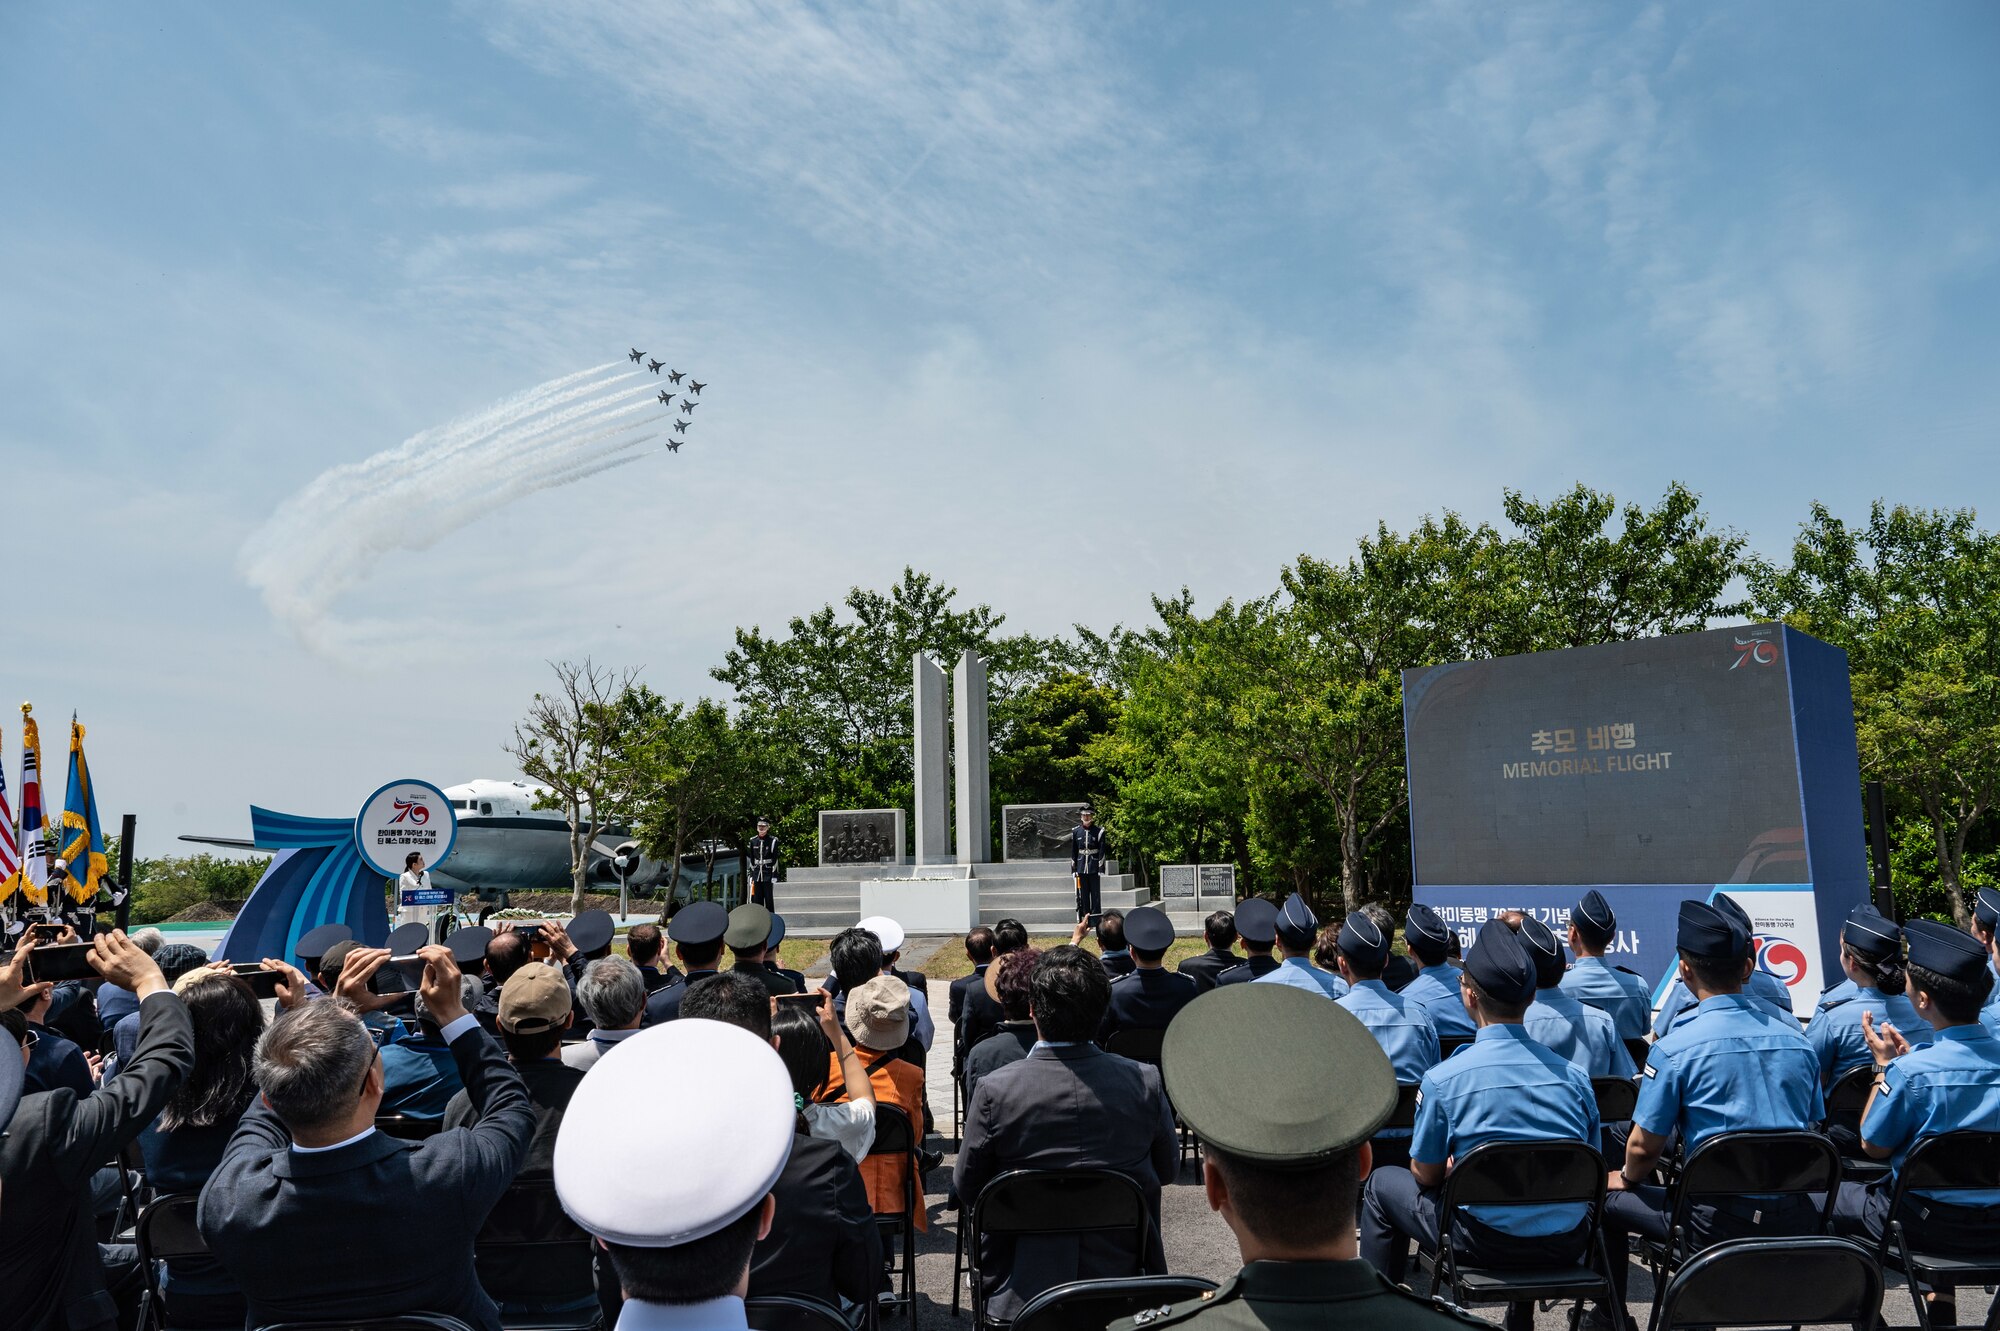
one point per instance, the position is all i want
(1766, 988)
(1990, 1014)
(1300, 973)
(1584, 1035)
(1595, 981)
(1400, 1026)
(1436, 987)
(1835, 1031)
(1733, 1066)
(1504, 1087)
(1952, 1084)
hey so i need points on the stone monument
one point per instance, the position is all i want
(932, 797)
(1038, 831)
(972, 760)
(861, 836)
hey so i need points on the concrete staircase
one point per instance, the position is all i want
(818, 902)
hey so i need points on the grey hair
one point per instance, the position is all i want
(470, 991)
(147, 940)
(311, 1061)
(612, 992)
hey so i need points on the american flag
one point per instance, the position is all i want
(10, 853)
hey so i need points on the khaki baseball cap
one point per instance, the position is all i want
(534, 999)
(878, 1014)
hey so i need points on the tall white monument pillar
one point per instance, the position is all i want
(933, 807)
(970, 760)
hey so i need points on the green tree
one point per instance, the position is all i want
(1910, 596)
(1045, 755)
(571, 744)
(166, 886)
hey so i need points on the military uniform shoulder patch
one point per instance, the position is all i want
(1629, 971)
(1174, 1314)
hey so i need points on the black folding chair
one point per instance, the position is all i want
(1849, 1095)
(528, 1231)
(1775, 1282)
(1092, 1305)
(1404, 1115)
(1517, 1174)
(1024, 1202)
(165, 1230)
(1145, 1047)
(134, 1192)
(418, 1321)
(1451, 1044)
(793, 1312)
(1616, 1098)
(1949, 1162)
(1639, 1047)
(895, 1136)
(407, 1128)
(1741, 1164)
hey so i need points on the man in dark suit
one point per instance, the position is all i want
(1149, 996)
(979, 951)
(1220, 930)
(1067, 1105)
(979, 1013)
(645, 944)
(307, 1178)
(51, 1277)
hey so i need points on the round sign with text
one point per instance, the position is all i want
(402, 817)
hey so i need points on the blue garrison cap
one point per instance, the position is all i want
(1499, 963)
(1149, 929)
(1709, 933)
(1362, 940)
(1728, 906)
(1296, 922)
(1423, 925)
(1544, 951)
(1595, 913)
(1871, 933)
(1986, 908)
(1257, 921)
(699, 923)
(1950, 952)
(777, 933)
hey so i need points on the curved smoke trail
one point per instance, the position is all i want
(326, 539)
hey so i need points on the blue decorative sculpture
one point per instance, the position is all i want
(317, 877)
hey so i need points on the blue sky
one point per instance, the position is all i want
(1065, 305)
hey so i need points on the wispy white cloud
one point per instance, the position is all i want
(513, 191)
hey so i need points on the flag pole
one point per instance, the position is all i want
(127, 829)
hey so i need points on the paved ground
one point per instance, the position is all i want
(1197, 1241)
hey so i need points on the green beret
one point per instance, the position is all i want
(1290, 1046)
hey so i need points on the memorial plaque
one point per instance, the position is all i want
(1038, 831)
(860, 836)
(1216, 886)
(1177, 884)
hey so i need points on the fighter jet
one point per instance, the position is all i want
(666, 398)
(681, 427)
(674, 445)
(654, 365)
(675, 376)
(636, 356)
(696, 387)
(688, 406)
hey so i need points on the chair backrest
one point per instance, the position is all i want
(407, 1128)
(166, 1228)
(1061, 1201)
(792, 1312)
(1775, 1282)
(1525, 1173)
(1139, 1046)
(1092, 1305)
(418, 1321)
(1638, 1047)
(1404, 1115)
(1616, 1098)
(1951, 1160)
(1451, 1044)
(894, 1134)
(1849, 1093)
(529, 1244)
(1761, 1164)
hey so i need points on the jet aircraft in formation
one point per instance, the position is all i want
(655, 365)
(674, 445)
(636, 356)
(695, 386)
(666, 396)
(689, 406)
(675, 376)
(681, 427)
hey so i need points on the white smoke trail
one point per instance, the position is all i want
(326, 539)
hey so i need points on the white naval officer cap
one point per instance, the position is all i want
(716, 1089)
(887, 932)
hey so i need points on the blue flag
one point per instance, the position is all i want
(82, 839)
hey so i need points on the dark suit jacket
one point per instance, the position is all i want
(1253, 968)
(1207, 966)
(666, 1004)
(964, 984)
(823, 1241)
(1146, 1000)
(978, 1017)
(1071, 1108)
(377, 1227)
(1009, 1044)
(50, 1276)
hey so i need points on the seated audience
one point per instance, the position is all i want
(375, 1009)
(1219, 929)
(748, 937)
(1067, 1105)
(1986, 928)
(823, 1242)
(681, 1240)
(1298, 931)
(1113, 952)
(174, 961)
(1257, 929)
(1871, 954)
(978, 951)
(1397, 1022)
(697, 930)
(890, 935)
(1283, 1182)
(307, 1174)
(644, 946)
(806, 1040)
(774, 960)
(1435, 985)
(55, 1060)
(1504, 1087)
(420, 1073)
(184, 1145)
(115, 1004)
(52, 1276)
(980, 1014)
(1006, 984)
(1592, 980)
(1949, 1085)
(1680, 1002)
(506, 952)
(613, 995)
(1147, 997)
(1399, 970)
(1584, 1035)
(1734, 1065)
(877, 1014)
